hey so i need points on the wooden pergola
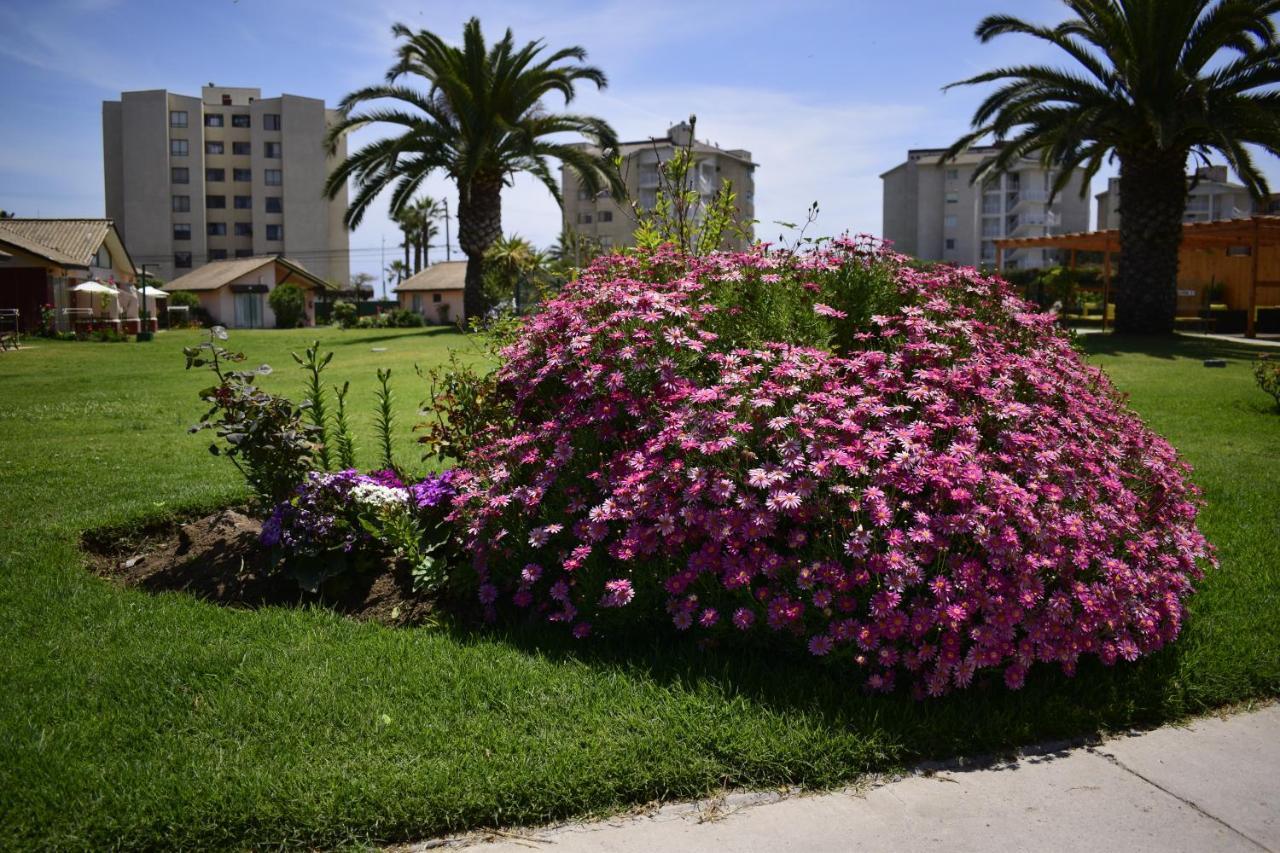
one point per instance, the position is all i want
(1254, 234)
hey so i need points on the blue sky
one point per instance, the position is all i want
(826, 95)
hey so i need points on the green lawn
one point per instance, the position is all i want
(128, 720)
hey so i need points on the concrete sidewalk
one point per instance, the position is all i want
(1211, 786)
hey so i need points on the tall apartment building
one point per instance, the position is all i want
(934, 212)
(605, 220)
(1210, 196)
(227, 175)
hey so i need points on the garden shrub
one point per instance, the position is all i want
(1267, 373)
(289, 303)
(906, 471)
(344, 314)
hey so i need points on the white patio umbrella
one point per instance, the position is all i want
(95, 287)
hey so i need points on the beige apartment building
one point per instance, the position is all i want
(934, 212)
(609, 221)
(227, 175)
(1211, 196)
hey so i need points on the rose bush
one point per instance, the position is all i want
(909, 471)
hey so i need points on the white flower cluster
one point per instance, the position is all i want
(379, 497)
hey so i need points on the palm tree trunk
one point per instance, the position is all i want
(406, 248)
(1153, 197)
(479, 225)
(424, 240)
(417, 254)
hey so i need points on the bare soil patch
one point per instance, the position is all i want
(218, 558)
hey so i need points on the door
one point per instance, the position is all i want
(248, 310)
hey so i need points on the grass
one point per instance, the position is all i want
(129, 720)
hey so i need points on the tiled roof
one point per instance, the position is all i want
(446, 275)
(72, 242)
(216, 274)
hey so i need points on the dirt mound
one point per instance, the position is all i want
(219, 559)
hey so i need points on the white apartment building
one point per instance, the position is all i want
(934, 212)
(227, 175)
(1210, 197)
(604, 220)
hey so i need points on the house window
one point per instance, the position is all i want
(217, 254)
(226, 100)
(240, 120)
(271, 150)
(271, 121)
(215, 202)
(241, 149)
(949, 221)
(605, 216)
(181, 203)
(214, 148)
(182, 260)
(213, 120)
(584, 194)
(953, 174)
(606, 242)
(436, 297)
(951, 243)
(215, 175)
(242, 175)
(177, 148)
(244, 202)
(182, 230)
(177, 118)
(180, 175)
(273, 177)
(953, 198)
(275, 232)
(244, 229)
(216, 229)
(275, 204)
(244, 253)
(584, 218)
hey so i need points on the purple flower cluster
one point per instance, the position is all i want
(956, 491)
(436, 490)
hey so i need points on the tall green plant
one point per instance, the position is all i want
(314, 364)
(345, 444)
(385, 418)
(1152, 83)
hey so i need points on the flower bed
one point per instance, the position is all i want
(911, 473)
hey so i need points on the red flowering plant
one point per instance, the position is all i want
(911, 471)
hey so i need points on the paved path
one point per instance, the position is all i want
(1211, 786)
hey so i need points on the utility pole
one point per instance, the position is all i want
(382, 264)
(448, 254)
(144, 319)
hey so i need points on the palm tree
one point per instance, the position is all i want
(426, 211)
(1155, 82)
(516, 262)
(480, 120)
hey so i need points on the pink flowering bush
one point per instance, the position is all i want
(909, 472)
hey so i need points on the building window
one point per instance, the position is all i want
(182, 230)
(584, 218)
(182, 260)
(243, 175)
(180, 175)
(244, 229)
(244, 253)
(226, 100)
(275, 204)
(177, 148)
(953, 174)
(951, 242)
(605, 216)
(241, 149)
(215, 202)
(213, 120)
(216, 229)
(953, 198)
(177, 118)
(584, 194)
(181, 203)
(217, 254)
(240, 120)
(244, 202)
(214, 148)
(271, 121)
(949, 221)
(436, 297)
(606, 242)
(273, 177)
(275, 232)
(271, 150)
(648, 198)
(215, 175)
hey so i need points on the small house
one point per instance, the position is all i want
(435, 292)
(235, 292)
